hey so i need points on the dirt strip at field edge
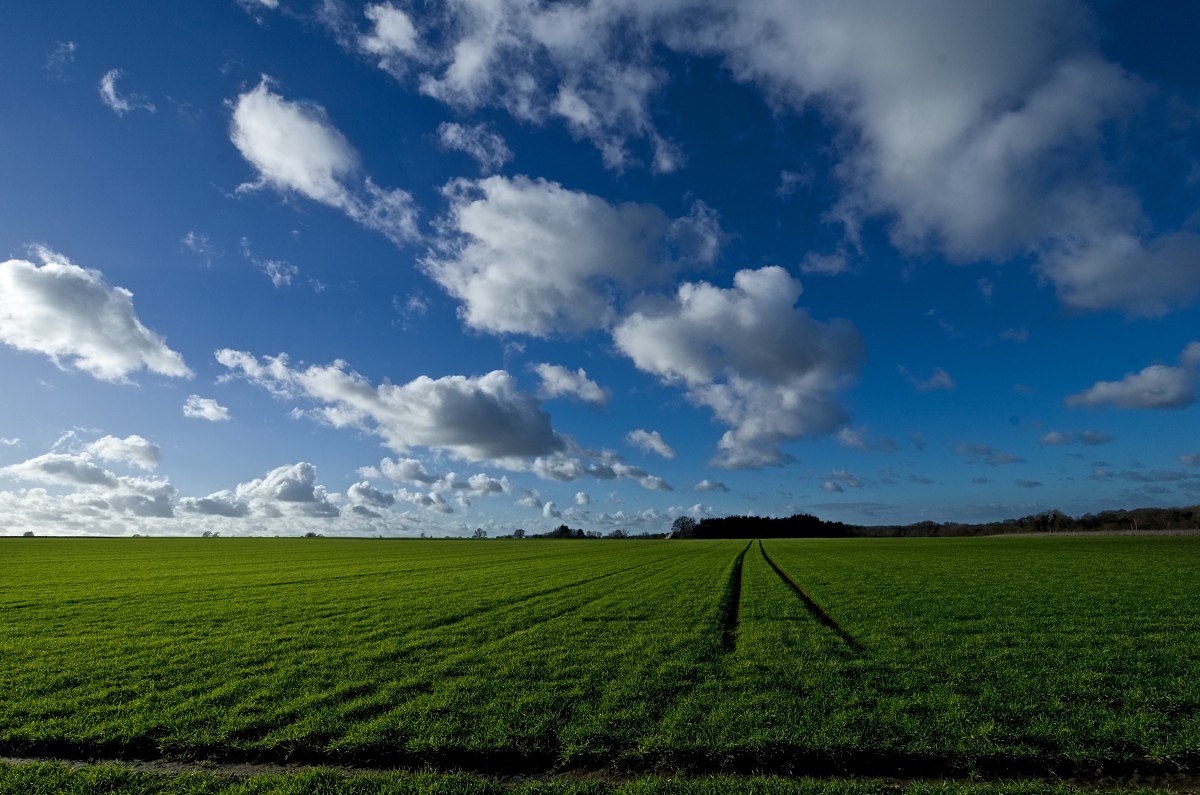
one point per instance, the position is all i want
(1178, 782)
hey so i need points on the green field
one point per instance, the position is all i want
(593, 666)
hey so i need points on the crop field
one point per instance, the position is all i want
(856, 666)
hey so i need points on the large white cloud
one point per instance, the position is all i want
(557, 61)
(71, 314)
(976, 130)
(486, 418)
(530, 256)
(286, 491)
(93, 490)
(296, 148)
(765, 368)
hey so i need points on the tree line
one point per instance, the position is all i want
(809, 526)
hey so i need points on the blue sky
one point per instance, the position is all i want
(271, 266)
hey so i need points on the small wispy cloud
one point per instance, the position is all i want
(119, 104)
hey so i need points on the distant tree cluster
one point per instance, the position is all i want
(566, 532)
(808, 526)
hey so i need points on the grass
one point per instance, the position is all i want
(663, 664)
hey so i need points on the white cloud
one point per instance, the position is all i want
(222, 503)
(1158, 386)
(651, 441)
(488, 148)
(392, 38)
(254, 6)
(531, 257)
(7, 442)
(287, 492)
(404, 470)
(94, 490)
(295, 148)
(558, 381)
(710, 485)
(561, 61)
(485, 418)
(132, 450)
(364, 493)
(204, 409)
(582, 498)
(120, 105)
(61, 469)
(975, 130)
(765, 368)
(66, 312)
(287, 489)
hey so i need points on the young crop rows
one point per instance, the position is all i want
(999, 657)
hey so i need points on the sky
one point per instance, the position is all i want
(270, 267)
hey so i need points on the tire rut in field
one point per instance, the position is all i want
(732, 603)
(810, 604)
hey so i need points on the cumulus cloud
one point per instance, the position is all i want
(532, 257)
(286, 492)
(295, 148)
(404, 470)
(765, 368)
(1158, 386)
(558, 381)
(710, 485)
(582, 498)
(292, 487)
(651, 441)
(561, 62)
(94, 490)
(120, 105)
(70, 313)
(202, 408)
(975, 131)
(61, 469)
(132, 450)
(222, 503)
(364, 493)
(486, 418)
(476, 140)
